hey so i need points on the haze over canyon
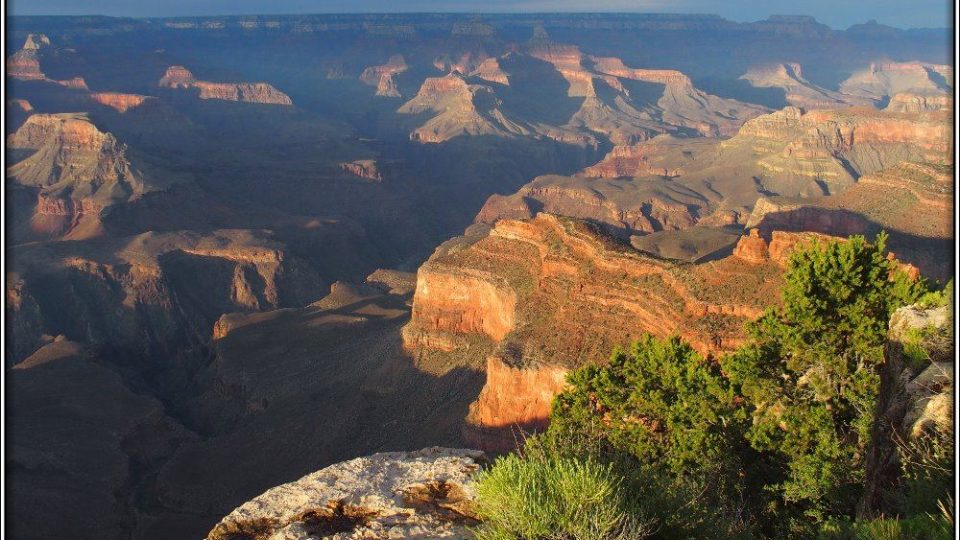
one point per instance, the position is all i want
(244, 248)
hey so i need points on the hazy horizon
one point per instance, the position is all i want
(838, 14)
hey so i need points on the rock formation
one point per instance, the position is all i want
(514, 402)
(179, 77)
(460, 108)
(18, 110)
(913, 102)
(884, 80)
(632, 160)
(364, 168)
(25, 63)
(798, 91)
(625, 206)
(682, 104)
(77, 171)
(184, 248)
(911, 201)
(607, 108)
(77, 83)
(490, 71)
(669, 183)
(530, 299)
(421, 494)
(118, 101)
(170, 287)
(383, 76)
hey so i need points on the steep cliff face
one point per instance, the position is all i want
(673, 104)
(531, 299)
(179, 77)
(18, 110)
(421, 494)
(490, 71)
(836, 147)
(514, 402)
(633, 160)
(364, 168)
(773, 246)
(554, 78)
(683, 104)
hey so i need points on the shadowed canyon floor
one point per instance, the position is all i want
(245, 248)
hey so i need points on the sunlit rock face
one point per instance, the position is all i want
(421, 494)
(179, 77)
(531, 299)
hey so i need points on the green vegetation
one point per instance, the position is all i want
(659, 402)
(922, 527)
(810, 374)
(768, 441)
(534, 497)
(927, 470)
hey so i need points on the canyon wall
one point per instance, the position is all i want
(532, 299)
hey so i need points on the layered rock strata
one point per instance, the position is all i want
(179, 77)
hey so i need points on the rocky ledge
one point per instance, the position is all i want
(179, 77)
(421, 494)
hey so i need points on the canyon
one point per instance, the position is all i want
(244, 249)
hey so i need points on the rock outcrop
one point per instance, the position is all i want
(673, 184)
(682, 104)
(798, 91)
(913, 102)
(625, 206)
(490, 71)
(531, 299)
(118, 101)
(364, 168)
(775, 248)
(916, 394)
(885, 79)
(25, 63)
(513, 403)
(910, 200)
(77, 83)
(384, 76)
(77, 171)
(838, 146)
(460, 108)
(633, 160)
(179, 77)
(421, 494)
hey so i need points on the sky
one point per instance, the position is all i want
(835, 13)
